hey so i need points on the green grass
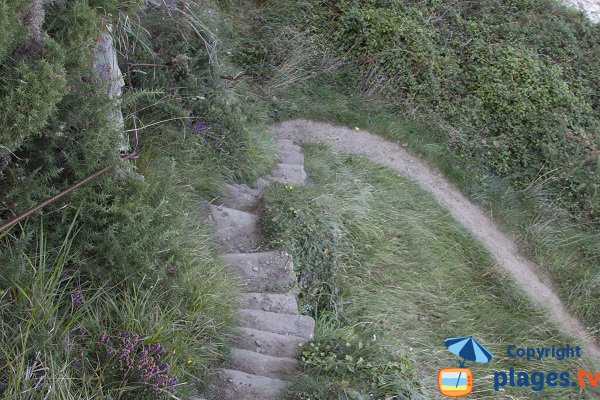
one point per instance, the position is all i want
(52, 346)
(302, 72)
(566, 250)
(403, 274)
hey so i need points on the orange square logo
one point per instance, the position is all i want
(455, 382)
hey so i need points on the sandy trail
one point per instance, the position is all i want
(471, 216)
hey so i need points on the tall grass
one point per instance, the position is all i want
(405, 275)
(52, 323)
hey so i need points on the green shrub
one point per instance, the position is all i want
(530, 123)
(312, 240)
(392, 41)
(10, 26)
(30, 92)
(343, 363)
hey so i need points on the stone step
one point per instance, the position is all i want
(263, 271)
(238, 385)
(291, 157)
(283, 303)
(289, 174)
(263, 365)
(240, 197)
(284, 324)
(283, 142)
(269, 343)
(262, 183)
(236, 231)
(288, 145)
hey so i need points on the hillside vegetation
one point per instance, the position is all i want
(516, 80)
(116, 291)
(501, 96)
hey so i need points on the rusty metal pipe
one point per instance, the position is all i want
(61, 194)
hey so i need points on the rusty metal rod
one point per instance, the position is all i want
(61, 194)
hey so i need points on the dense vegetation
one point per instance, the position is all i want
(516, 80)
(500, 95)
(115, 291)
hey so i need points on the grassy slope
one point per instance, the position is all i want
(311, 77)
(406, 273)
(567, 251)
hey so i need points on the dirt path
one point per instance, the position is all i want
(471, 216)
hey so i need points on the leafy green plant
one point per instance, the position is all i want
(359, 367)
(312, 241)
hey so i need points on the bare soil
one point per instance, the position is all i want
(525, 273)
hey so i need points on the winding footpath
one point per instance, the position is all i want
(469, 215)
(263, 359)
(264, 355)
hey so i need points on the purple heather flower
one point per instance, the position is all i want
(199, 127)
(172, 382)
(155, 348)
(77, 298)
(143, 362)
(104, 338)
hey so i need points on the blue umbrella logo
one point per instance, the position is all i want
(469, 349)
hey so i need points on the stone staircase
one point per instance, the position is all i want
(264, 355)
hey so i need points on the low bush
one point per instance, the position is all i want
(341, 363)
